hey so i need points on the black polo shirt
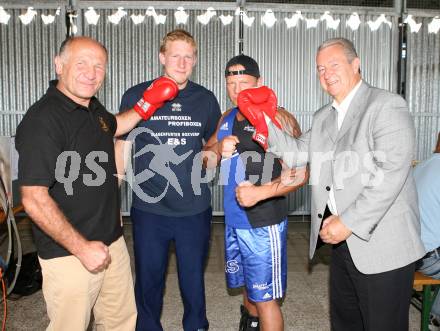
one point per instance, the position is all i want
(69, 149)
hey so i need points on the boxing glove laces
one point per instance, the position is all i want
(160, 91)
(254, 104)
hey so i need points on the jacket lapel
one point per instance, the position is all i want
(331, 124)
(357, 107)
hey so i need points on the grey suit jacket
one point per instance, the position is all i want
(368, 162)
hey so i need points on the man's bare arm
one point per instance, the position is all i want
(290, 180)
(43, 210)
(122, 156)
(210, 153)
(212, 150)
(126, 121)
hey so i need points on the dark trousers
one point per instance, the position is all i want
(152, 235)
(376, 302)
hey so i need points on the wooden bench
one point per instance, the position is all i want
(425, 290)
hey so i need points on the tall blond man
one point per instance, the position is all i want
(168, 206)
(255, 186)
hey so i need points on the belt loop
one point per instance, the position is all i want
(436, 252)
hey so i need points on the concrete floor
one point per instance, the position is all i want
(305, 307)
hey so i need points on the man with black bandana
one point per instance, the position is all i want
(255, 210)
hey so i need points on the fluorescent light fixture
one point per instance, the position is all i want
(294, 19)
(181, 16)
(28, 17)
(226, 20)
(434, 26)
(158, 19)
(353, 22)
(268, 18)
(116, 17)
(331, 22)
(248, 21)
(47, 19)
(311, 23)
(378, 22)
(413, 25)
(4, 16)
(92, 16)
(137, 19)
(206, 17)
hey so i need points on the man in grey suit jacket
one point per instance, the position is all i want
(364, 200)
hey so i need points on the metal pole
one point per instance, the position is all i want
(241, 4)
(70, 18)
(400, 8)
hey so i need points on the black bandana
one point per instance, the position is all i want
(250, 66)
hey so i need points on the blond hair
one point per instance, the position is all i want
(178, 34)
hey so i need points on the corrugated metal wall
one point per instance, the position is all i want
(287, 60)
(26, 60)
(423, 84)
(286, 57)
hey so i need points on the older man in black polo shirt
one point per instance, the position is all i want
(66, 173)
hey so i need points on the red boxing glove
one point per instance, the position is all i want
(161, 90)
(253, 104)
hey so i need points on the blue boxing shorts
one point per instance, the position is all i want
(256, 258)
